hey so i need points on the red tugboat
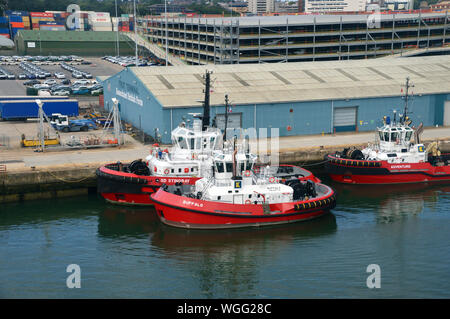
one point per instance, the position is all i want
(189, 160)
(229, 199)
(393, 159)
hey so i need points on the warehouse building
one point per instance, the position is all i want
(296, 38)
(298, 98)
(38, 42)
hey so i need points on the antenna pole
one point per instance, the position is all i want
(406, 98)
(206, 106)
(226, 117)
(135, 34)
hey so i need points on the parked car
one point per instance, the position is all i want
(80, 91)
(60, 75)
(41, 86)
(31, 82)
(50, 82)
(61, 93)
(97, 91)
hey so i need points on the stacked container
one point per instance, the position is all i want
(51, 26)
(100, 21)
(25, 15)
(82, 21)
(37, 17)
(126, 23)
(15, 24)
(4, 28)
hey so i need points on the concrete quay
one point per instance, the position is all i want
(26, 175)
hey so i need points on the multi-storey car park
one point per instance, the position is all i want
(293, 38)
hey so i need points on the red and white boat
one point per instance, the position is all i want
(393, 159)
(186, 162)
(232, 198)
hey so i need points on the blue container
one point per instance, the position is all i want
(4, 30)
(21, 109)
(16, 13)
(3, 20)
(15, 19)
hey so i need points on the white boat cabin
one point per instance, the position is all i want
(192, 147)
(394, 145)
(241, 186)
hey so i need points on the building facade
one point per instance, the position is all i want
(261, 6)
(296, 38)
(295, 98)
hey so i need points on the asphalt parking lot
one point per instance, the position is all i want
(98, 67)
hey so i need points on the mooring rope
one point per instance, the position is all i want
(67, 181)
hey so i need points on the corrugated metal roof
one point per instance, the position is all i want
(180, 86)
(68, 36)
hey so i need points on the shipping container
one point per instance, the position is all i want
(41, 15)
(6, 35)
(16, 25)
(16, 13)
(14, 19)
(24, 109)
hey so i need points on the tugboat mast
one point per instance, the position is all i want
(206, 107)
(407, 86)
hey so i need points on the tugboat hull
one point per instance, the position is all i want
(185, 212)
(119, 187)
(350, 171)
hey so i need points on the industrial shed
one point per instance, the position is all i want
(89, 43)
(298, 98)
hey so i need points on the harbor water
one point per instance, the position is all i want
(126, 252)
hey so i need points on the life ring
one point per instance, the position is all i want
(247, 173)
(194, 156)
(186, 170)
(248, 202)
(166, 171)
(272, 180)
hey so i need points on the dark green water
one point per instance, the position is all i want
(126, 252)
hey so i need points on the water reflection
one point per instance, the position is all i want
(223, 263)
(389, 202)
(119, 221)
(228, 262)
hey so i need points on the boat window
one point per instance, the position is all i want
(381, 136)
(220, 167)
(182, 143)
(386, 136)
(241, 166)
(394, 136)
(191, 142)
(408, 135)
(211, 142)
(229, 167)
(249, 166)
(198, 142)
